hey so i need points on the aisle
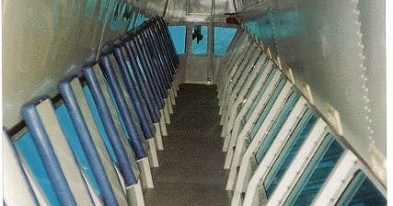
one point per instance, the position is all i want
(190, 171)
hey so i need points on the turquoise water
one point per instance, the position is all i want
(223, 36)
(200, 47)
(178, 35)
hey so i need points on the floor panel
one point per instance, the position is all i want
(190, 171)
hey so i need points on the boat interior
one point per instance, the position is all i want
(194, 102)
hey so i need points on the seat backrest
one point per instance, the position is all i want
(55, 152)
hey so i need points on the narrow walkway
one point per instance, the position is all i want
(190, 171)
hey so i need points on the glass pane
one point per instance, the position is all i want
(289, 151)
(247, 116)
(254, 81)
(222, 38)
(132, 21)
(178, 35)
(267, 108)
(27, 149)
(361, 191)
(276, 25)
(277, 125)
(316, 172)
(76, 146)
(199, 40)
(140, 19)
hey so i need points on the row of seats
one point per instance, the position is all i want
(97, 144)
(279, 150)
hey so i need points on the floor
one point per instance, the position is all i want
(191, 164)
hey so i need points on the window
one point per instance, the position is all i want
(267, 108)
(27, 149)
(361, 191)
(289, 151)
(140, 19)
(222, 38)
(277, 125)
(199, 40)
(248, 114)
(316, 172)
(178, 35)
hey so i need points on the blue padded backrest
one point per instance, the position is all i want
(30, 154)
(124, 111)
(109, 125)
(47, 154)
(133, 90)
(76, 145)
(99, 122)
(135, 70)
(87, 143)
(146, 70)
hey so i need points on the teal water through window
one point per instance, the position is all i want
(247, 94)
(223, 37)
(361, 191)
(316, 172)
(178, 35)
(289, 151)
(247, 116)
(277, 125)
(276, 24)
(199, 40)
(267, 108)
(27, 149)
